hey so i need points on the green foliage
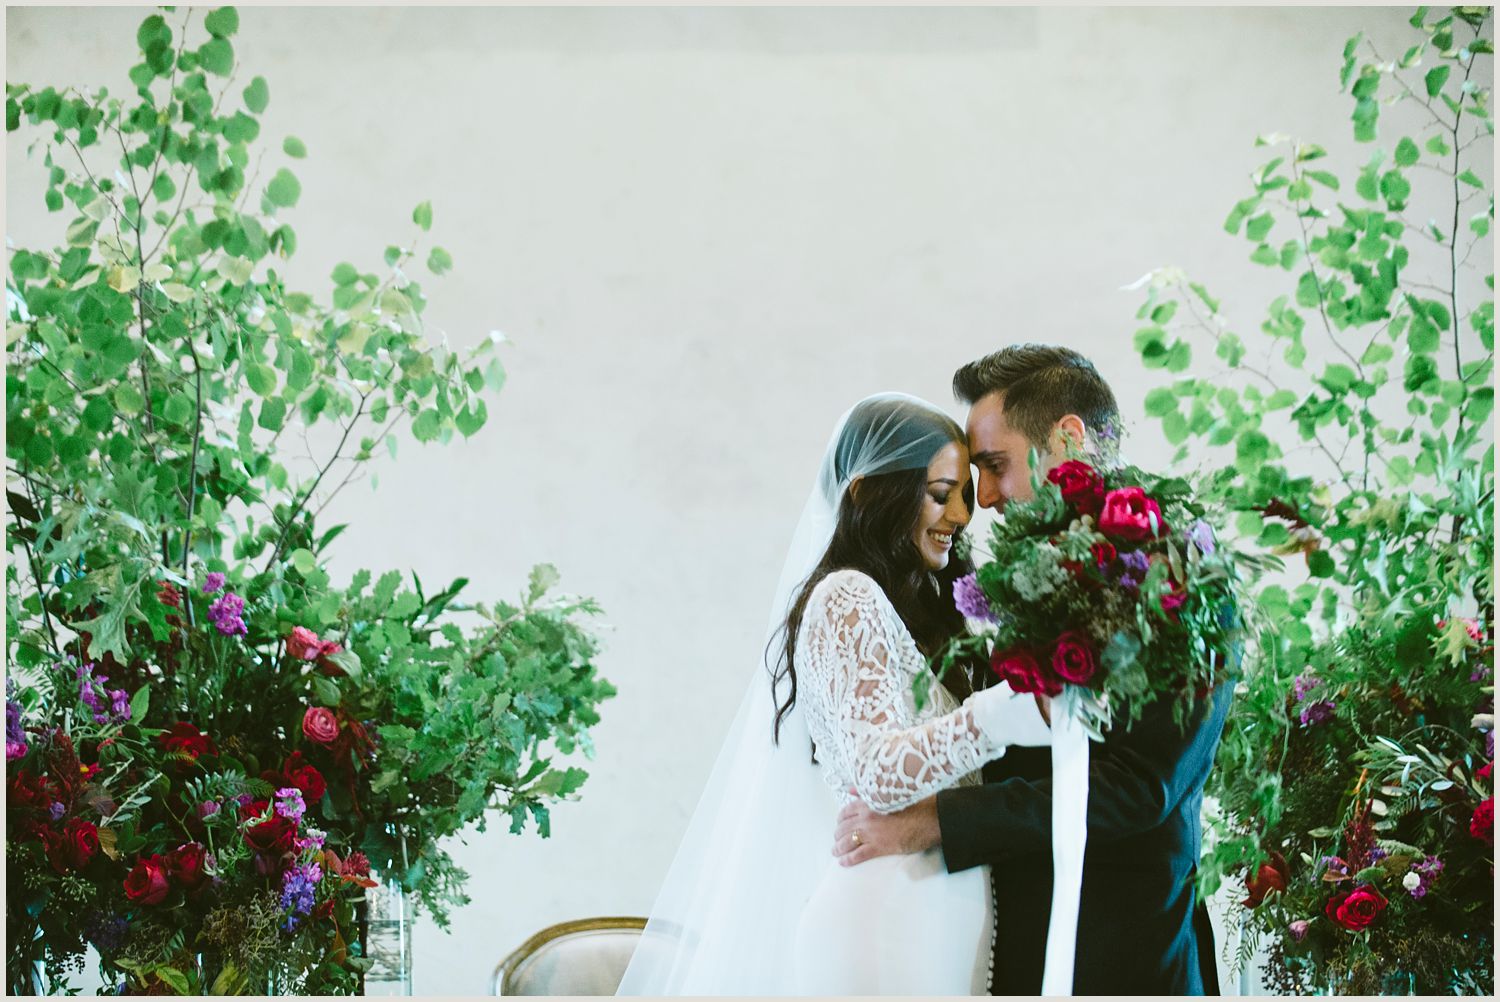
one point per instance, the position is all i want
(1354, 440)
(157, 357)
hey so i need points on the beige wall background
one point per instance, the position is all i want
(706, 233)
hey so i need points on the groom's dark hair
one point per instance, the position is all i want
(1039, 383)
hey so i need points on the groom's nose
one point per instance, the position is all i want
(988, 495)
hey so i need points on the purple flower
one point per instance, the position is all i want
(297, 889)
(57, 810)
(970, 600)
(1134, 564)
(226, 614)
(208, 808)
(1298, 929)
(1426, 872)
(107, 934)
(1489, 744)
(289, 803)
(1316, 713)
(15, 731)
(213, 582)
(90, 688)
(1201, 535)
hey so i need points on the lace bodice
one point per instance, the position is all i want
(855, 664)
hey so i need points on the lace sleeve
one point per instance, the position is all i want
(853, 640)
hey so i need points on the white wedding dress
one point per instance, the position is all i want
(754, 903)
(893, 925)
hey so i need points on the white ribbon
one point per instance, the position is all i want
(1070, 808)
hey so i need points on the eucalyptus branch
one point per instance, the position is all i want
(36, 572)
(1458, 361)
(1437, 118)
(356, 464)
(1318, 283)
(187, 539)
(302, 503)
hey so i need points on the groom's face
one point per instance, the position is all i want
(1000, 453)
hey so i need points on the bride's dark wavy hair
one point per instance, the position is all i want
(874, 535)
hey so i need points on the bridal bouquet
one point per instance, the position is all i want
(1111, 583)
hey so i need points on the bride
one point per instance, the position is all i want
(754, 904)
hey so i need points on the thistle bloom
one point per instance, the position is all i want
(213, 582)
(1136, 564)
(970, 600)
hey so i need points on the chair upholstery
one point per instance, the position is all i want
(582, 957)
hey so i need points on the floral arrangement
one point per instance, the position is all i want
(1108, 582)
(213, 750)
(1353, 794)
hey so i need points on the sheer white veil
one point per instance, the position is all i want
(724, 921)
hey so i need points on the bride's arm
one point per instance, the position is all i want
(851, 651)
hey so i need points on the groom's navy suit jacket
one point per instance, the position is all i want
(1141, 929)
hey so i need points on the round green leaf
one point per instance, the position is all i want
(439, 261)
(128, 400)
(217, 56)
(223, 22)
(262, 378)
(294, 147)
(422, 215)
(257, 95)
(1407, 153)
(284, 189)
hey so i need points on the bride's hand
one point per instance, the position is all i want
(863, 834)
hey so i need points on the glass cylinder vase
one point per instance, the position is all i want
(388, 929)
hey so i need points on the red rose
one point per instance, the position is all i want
(1104, 554)
(1081, 485)
(1482, 824)
(320, 725)
(1129, 514)
(1073, 658)
(253, 809)
(304, 777)
(273, 837)
(1487, 773)
(82, 840)
(147, 883)
(185, 864)
(1272, 876)
(1356, 909)
(1021, 670)
(187, 739)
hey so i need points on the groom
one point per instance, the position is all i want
(1141, 929)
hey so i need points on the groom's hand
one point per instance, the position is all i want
(862, 834)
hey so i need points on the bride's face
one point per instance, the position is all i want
(943, 509)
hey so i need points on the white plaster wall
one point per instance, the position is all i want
(707, 232)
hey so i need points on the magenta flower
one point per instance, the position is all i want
(213, 582)
(226, 614)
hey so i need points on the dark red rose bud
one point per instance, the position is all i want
(1073, 658)
(1081, 485)
(147, 883)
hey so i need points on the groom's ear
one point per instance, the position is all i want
(854, 486)
(1068, 436)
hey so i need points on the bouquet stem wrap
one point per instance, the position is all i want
(1070, 806)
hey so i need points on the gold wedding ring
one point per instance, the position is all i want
(854, 838)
